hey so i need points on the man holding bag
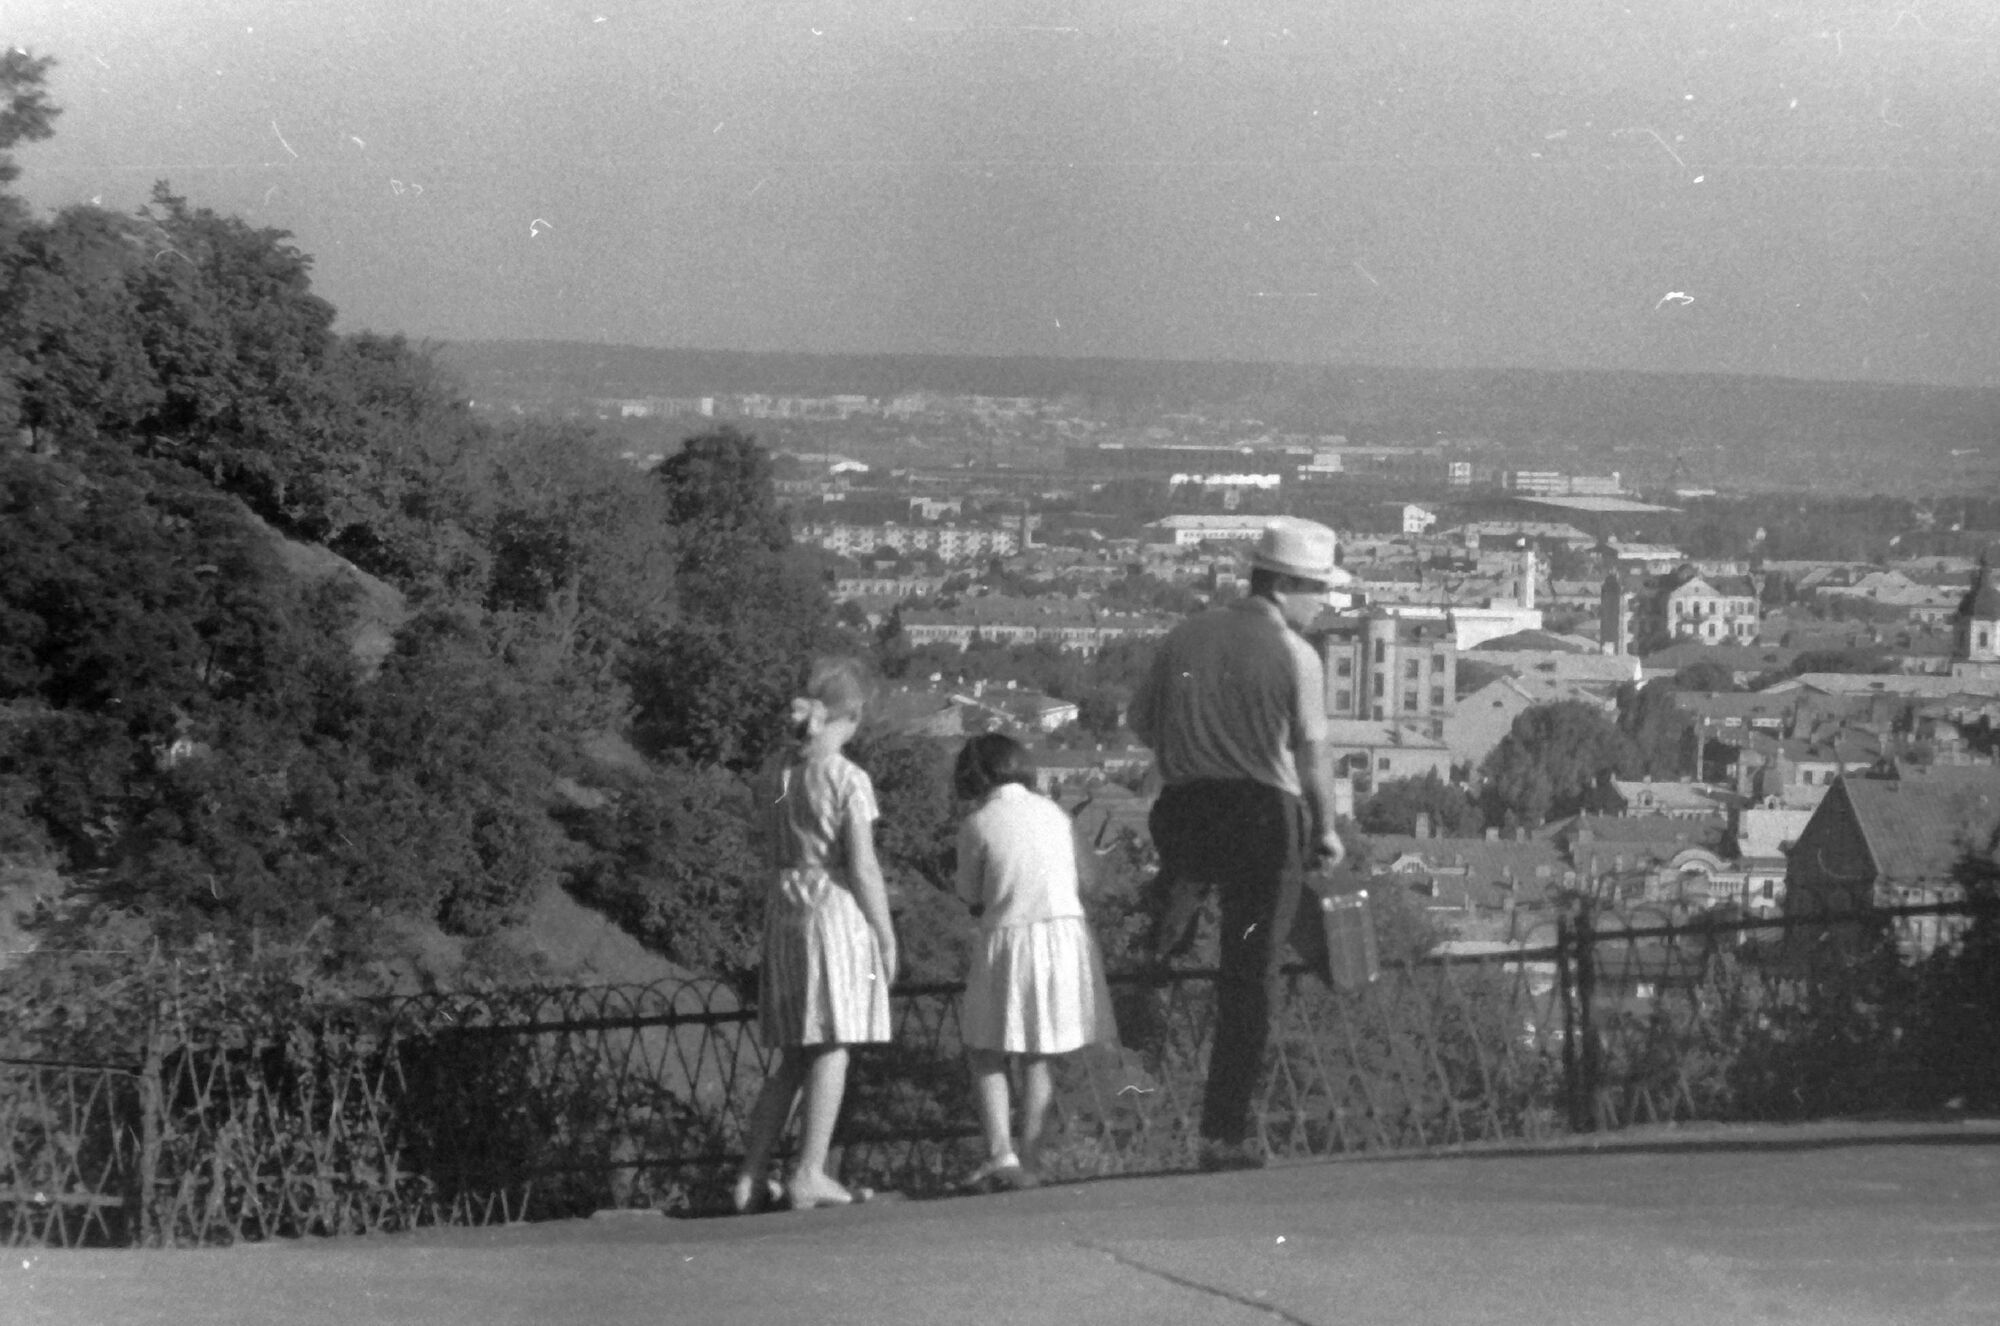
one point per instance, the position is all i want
(1234, 709)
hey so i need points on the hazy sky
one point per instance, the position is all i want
(1802, 189)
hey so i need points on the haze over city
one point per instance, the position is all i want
(1798, 190)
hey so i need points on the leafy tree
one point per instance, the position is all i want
(713, 684)
(1841, 660)
(72, 328)
(1705, 676)
(670, 858)
(917, 841)
(1099, 711)
(1660, 731)
(1396, 803)
(26, 116)
(1556, 761)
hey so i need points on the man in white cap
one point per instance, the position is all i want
(1234, 709)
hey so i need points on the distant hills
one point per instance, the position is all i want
(1718, 428)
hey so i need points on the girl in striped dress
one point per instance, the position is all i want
(829, 950)
(1036, 987)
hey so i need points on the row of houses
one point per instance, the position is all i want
(949, 542)
(1895, 836)
(1068, 624)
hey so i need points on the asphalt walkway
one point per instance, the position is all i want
(1827, 1225)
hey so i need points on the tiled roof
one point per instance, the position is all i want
(1665, 796)
(1488, 869)
(1636, 840)
(1919, 826)
(1539, 640)
(1762, 833)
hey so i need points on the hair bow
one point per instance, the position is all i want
(805, 710)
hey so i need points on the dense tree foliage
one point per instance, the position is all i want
(1660, 732)
(1557, 760)
(1395, 805)
(191, 742)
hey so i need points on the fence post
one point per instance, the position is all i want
(1566, 988)
(152, 1109)
(1591, 1056)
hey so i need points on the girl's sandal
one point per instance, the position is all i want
(810, 1194)
(1003, 1173)
(748, 1196)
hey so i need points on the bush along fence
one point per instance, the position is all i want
(523, 1104)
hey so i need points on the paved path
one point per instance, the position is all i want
(1822, 1226)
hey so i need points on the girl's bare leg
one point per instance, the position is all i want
(989, 1090)
(1037, 1091)
(825, 1084)
(768, 1116)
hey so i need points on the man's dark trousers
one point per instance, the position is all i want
(1251, 841)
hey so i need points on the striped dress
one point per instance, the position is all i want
(822, 981)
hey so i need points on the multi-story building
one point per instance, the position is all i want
(1383, 667)
(1066, 623)
(950, 542)
(1188, 531)
(1684, 604)
(886, 587)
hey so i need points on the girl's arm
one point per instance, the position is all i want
(869, 889)
(970, 884)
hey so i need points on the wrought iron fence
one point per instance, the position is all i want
(467, 1109)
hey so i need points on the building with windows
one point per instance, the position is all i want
(1684, 604)
(1190, 531)
(1384, 667)
(1896, 841)
(953, 543)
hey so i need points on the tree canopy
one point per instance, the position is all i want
(189, 740)
(1557, 760)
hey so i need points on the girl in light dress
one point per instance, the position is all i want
(829, 951)
(1036, 987)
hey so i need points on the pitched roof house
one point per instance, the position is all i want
(1895, 841)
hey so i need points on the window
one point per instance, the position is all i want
(1343, 667)
(1378, 685)
(1437, 664)
(1343, 701)
(1409, 702)
(1381, 650)
(1437, 697)
(1383, 764)
(1982, 637)
(1413, 669)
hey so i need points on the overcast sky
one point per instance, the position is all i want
(1798, 189)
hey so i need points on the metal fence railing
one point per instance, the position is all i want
(468, 1109)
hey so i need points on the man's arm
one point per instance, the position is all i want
(1315, 780)
(1309, 749)
(1142, 713)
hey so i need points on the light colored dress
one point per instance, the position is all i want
(1036, 985)
(823, 980)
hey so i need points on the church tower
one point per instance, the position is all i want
(1975, 651)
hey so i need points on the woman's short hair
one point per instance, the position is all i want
(841, 684)
(987, 761)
